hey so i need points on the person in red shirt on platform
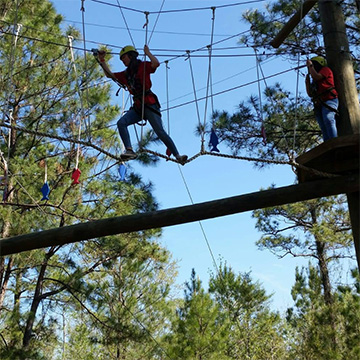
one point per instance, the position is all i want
(323, 93)
(136, 78)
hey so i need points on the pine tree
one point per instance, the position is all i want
(128, 301)
(256, 331)
(313, 320)
(320, 228)
(287, 120)
(199, 331)
(41, 99)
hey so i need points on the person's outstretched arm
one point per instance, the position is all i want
(101, 57)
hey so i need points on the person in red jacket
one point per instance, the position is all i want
(136, 78)
(324, 95)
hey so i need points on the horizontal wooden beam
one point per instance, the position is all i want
(180, 215)
(290, 25)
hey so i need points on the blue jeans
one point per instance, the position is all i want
(326, 119)
(154, 118)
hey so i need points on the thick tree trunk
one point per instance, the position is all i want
(321, 256)
(325, 280)
(324, 272)
(34, 306)
(36, 299)
(5, 276)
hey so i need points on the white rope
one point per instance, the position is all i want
(194, 88)
(45, 171)
(167, 94)
(127, 27)
(88, 124)
(156, 21)
(296, 103)
(17, 27)
(203, 128)
(273, 102)
(82, 115)
(144, 74)
(259, 87)
(297, 85)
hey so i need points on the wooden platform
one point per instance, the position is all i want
(336, 156)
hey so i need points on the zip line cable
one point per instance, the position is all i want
(156, 21)
(220, 81)
(124, 28)
(228, 306)
(203, 48)
(200, 223)
(127, 27)
(62, 138)
(141, 30)
(209, 75)
(168, 108)
(235, 87)
(268, 161)
(179, 10)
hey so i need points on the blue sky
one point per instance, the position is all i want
(207, 178)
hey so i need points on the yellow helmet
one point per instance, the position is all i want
(319, 59)
(127, 49)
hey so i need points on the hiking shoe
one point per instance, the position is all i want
(129, 154)
(182, 159)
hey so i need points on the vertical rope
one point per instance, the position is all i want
(6, 163)
(87, 125)
(272, 101)
(144, 73)
(296, 102)
(3, 181)
(208, 81)
(146, 39)
(194, 88)
(6, 176)
(167, 94)
(259, 87)
(45, 170)
(80, 97)
(16, 29)
(297, 87)
(121, 114)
